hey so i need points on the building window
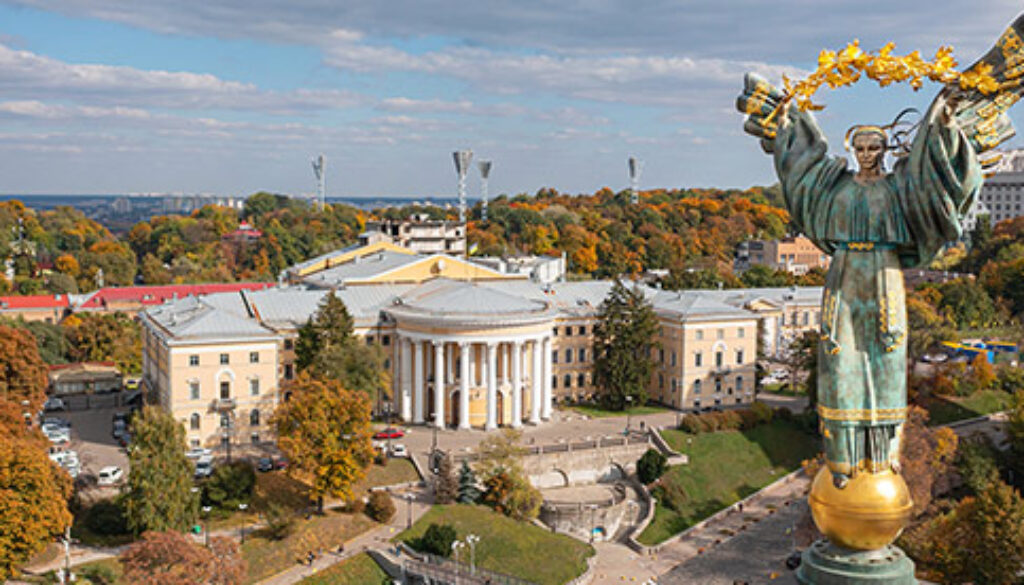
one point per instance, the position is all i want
(673, 358)
(568, 380)
(661, 355)
(193, 390)
(254, 418)
(193, 360)
(554, 382)
(289, 371)
(289, 345)
(719, 359)
(721, 333)
(582, 330)
(225, 390)
(718, 385)
(807, 317)
(254, 357)
(568, 355)
(696, 386)
(698, 359)
(581, 380)
(385, 340)
(193, 422)
(700, 334)
(583, 354)
(661, 381)
(254, 387)
(369, 340)
(225, 421)
(555, 332)
(224, 359)
(194, 443)
(255, 438)
(554, 356)
(739, 384)
(741, 332)
(739, 356)
(387, 364)
(568, 330)
(675, 385)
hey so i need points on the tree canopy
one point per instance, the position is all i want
(158, 496)
(169, 558)
(624, 342)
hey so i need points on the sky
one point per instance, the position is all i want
(236, 96)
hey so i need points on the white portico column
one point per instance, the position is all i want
(492, 387)
(549, 371)
(439, 386)
(464, 385)
(538, 380)
(517, 384)
(405, 378)
(470, 356)
(417, 380)
(449, 366)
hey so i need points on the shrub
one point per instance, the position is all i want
(229, 485)
(355, 506)
(98, 574)
(106, 518)
(437, 540)
(671, 493)
(748, 418)
(380, 507)
(691, 423)
(762, 411)
(650, 466)
(783, 413)
(731, 420)
(279, 520)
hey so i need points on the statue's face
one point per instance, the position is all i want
(869, 148)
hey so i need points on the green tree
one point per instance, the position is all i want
(469, 493)
(158, 494)
(507, 487)
(650, 466)
(330, 326)
(105, 337)
(967, 303)
(437, 540)
(760, 276)
(624, 343)
(446, 487)
(926, 328)
(324, 430)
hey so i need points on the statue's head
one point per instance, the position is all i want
(869, 144)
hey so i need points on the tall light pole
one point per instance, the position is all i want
(485, 173)
(241, 528)
(462, 160)
(206, 525)
(456, 545)
(635, 166)
(408, 510)
(321, 181)
(471, 540)
(629, 413)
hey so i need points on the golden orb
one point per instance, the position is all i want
(867, 514)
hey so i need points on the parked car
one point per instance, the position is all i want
(125, 440)
(53, 403)
(204, 467)
(793, 560)
(398, 450)
(389, 433)
(265, 464)
(198, 453)
(111, 475)
(57, 434)
(54, 421)
(132, 383)
(120, 429)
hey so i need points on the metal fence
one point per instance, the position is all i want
(438, 570)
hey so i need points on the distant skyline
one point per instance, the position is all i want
(231, 97)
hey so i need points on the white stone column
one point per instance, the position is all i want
(538, 381)
(484, 362)
(439, 385)
(470, 356)
(418, 366)
(405, 377)
(517, 385)
(492, 387)
(449, 366)
(549, 371)
(464, 385)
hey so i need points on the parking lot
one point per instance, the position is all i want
(91, 439)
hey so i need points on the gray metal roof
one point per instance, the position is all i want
(443, 296)
(313, 261)
(691, 305)
(361, 268)
(216, 316)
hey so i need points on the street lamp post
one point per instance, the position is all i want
(629, 414)
(433, 446)
(408, 510)
(471, 540)
(456, 545)
(206, 525)
(241, 528)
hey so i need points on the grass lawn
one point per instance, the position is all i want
(397, 470)
(266, 557)
(507, 546)
(103, 572)
(594, 411)
(724, 468)
(943, 410)
(357, 570)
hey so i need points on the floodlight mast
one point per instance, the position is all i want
(321, 180)
(485, 172)
(462, 160)
(635, 166)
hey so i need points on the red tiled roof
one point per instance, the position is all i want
(34, 302)
(156, 295)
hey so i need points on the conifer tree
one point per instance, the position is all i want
(159, 492)
(624, 342)
(468, 493)
(446, 489)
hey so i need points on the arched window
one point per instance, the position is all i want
(193, 422)
(739, 384)
(568, 355)
(581, 380)
(254, 417)
(696, 386)
(568, 381)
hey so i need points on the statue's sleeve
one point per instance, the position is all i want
(809, 176)
(936, 185)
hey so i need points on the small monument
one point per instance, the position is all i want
(875, 223)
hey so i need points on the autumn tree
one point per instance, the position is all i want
(324, 430)
(105, 337)
(446, 487)
(23, 377)
(926, 328)
(927, 456)
(983, 376)
(33, 500)
(507, 488)
(624, 342)
(169, 558)
(159, 494)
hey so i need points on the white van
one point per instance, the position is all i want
(111, 475)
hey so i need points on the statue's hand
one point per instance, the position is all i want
(761, 101)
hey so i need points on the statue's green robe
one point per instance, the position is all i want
(872, 231)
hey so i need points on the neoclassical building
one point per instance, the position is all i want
(466, 344)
